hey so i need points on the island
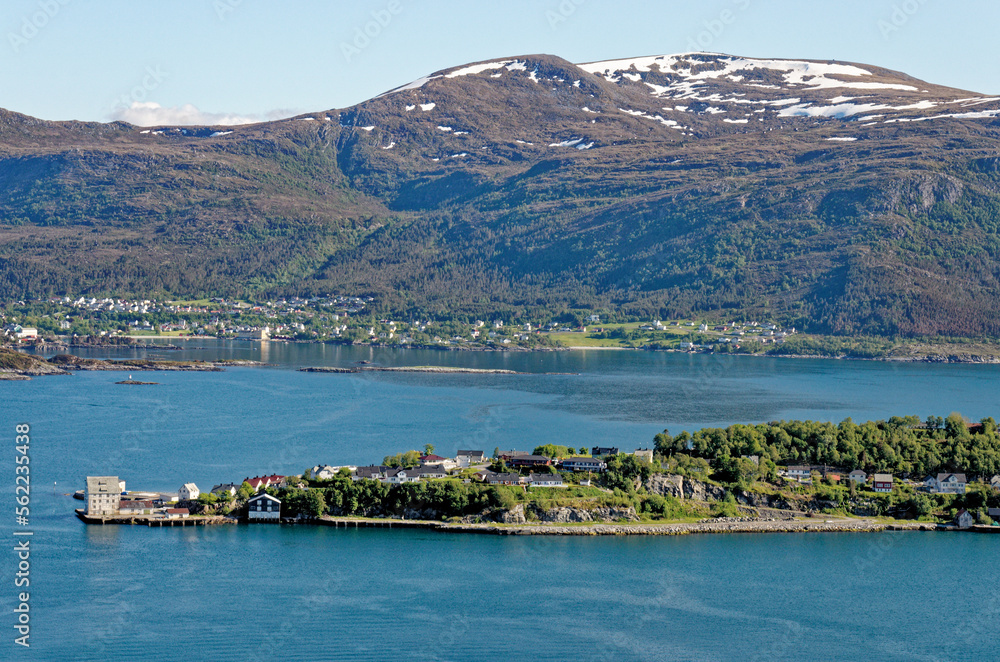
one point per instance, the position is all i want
(15, 365)
(788, 476)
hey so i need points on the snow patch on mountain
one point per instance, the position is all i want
(567, 143)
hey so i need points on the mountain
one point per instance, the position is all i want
(841, 197)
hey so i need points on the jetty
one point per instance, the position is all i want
(155, 520)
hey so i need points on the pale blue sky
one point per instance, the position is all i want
(70, 59)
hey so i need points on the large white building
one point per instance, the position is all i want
(103, 495)
(946, 483)
(188, 492)
(264, 507)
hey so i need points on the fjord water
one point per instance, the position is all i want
(306, 593)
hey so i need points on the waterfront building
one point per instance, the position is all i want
(964, 519)
(136, 507)
(264, 507)
(103, 495)
(188, 492)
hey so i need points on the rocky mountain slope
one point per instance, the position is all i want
(841, 197)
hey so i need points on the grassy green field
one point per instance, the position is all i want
(574, 339)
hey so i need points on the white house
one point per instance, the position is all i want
(264, 507)
(188, 492)
(946, 483)
(20, 332)
(857, 476)
(468, 458)
(326, 472)
(644, 454)
(799, 473)
(103, 495)
(400, 476)
(431, 471)
(995, 482)
(546, 480)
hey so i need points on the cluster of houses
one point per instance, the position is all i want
(104, 498)
(942, 483)
(434, 466)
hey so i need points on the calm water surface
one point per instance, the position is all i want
(134, 593)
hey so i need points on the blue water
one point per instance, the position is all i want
(134, 593)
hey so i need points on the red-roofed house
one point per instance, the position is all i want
(258, 483)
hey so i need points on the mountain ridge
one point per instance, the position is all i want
(841, 196)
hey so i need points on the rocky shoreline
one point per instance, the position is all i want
(430, 369)
(18, 366)
(638, 529)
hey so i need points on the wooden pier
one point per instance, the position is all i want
(152, 520)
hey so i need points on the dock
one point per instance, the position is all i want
(153, 520)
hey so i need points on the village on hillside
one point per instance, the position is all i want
(349, 319)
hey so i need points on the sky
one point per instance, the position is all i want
(235, 61)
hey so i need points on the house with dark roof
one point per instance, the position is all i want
(521, 461)
(264, 508)
(432, 471)
(600, 451)
(370, 473)
(583, 464)
(469, 458)
(504, 479)
(400, 476)
(226, 490)
(545, 480)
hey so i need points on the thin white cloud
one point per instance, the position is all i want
(150, 113)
